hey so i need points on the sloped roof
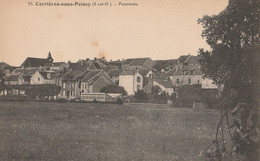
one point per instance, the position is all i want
(115, 72)
(54, 64)
(144, 72)
(108, 68)
(25, 71)
(166, 84)
(90, 75)
(186, 70)
(116, 63)
(12, 78)
(127, 72)
(104, 61)
(34, 62)
(128, 61)
(45, 74)
(183, 58)
(79, 66)
(4, 65)
(26, 78)
(192, 60)
(139, 61)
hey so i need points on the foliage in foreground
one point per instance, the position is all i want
(233, 36)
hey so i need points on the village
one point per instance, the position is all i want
(84, 80)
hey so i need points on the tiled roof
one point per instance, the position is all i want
(192, 60)
(144, 72)
(12, 78)
(139, 61)
(34, 62)
(127, 72)
(183, 58)
(25, 71)
(136, 61)
(104, 61)
(128, 61)
(45, 74)
(53, 64)
(114, 72)
(90, 75)
(187, 69)
(26, 78)
(166, 84)
(108, 68)
(79, 66)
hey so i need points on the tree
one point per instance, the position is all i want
(113, 89)
(156, 90)
(233, 36)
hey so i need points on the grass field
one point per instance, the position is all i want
(97, 132)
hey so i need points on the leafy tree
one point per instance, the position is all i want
(113, 89)
(156, 90)
(233, 36)
(141, 96)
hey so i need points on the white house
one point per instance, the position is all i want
(131, 81)
(40, 77)
(165, 86)
(190, 75)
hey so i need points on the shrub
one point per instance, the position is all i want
(113, 89)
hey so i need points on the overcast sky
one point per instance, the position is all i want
(160, 29)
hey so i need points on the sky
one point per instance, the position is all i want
(162, 29)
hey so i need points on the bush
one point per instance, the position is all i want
(113, 89)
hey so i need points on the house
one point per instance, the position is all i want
(71, 83)
(164, 65)
(31, 62)
(81, 65)
(101, 63)
(14, 80)
(42, 77)
(189, 75)
(147, 75)
(94, 81)
(131, 80)
(24, 71)
(165, 86)
(137, 63)
(55, 66)
(117, 63)
(114, 75)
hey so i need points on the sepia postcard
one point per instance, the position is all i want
(129, 80)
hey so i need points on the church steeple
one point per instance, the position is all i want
(49, 58)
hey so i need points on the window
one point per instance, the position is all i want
(178, 81)
(189, 81)
(71, 93)
(138, 79)
(39, 79)
(191, 72)
(198, 81)
(138, 87)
